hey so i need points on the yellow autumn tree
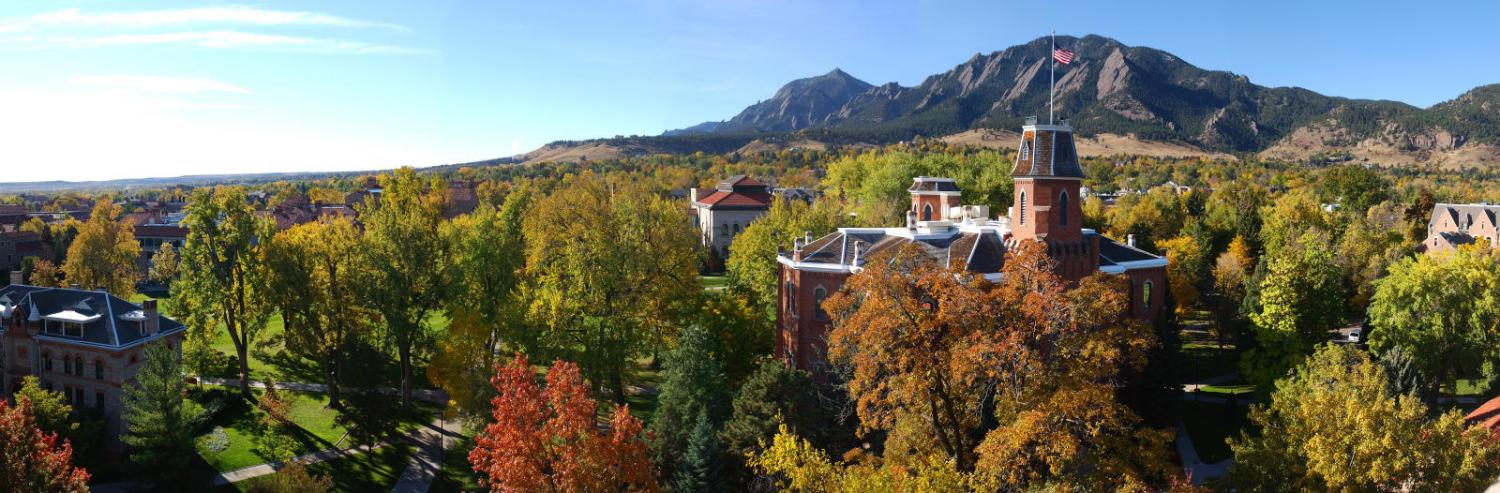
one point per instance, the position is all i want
(104, 254)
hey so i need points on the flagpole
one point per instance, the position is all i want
(1051, 75)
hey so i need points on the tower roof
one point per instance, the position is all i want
(1047, 150)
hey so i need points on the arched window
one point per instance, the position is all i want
(1062, 208)
(78, 368)
(67, 363)
(99, 369)
(1022, 214)
(724, 229)
(736, 229)
(791, 298)
(1146, 294)
(927, 212)
(819, 294)
(1025, 150)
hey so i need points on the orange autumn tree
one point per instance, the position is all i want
(547, 439)
(1014, 382)
(31, 460)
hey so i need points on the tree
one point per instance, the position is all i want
(613, 271)
(1441, 311)
(50, 409)
(547, 439)
(159, 423)
(692, 388)
(752, 268)
(164, 265)
(699, 469)
(1185, 265)
(223, 280)
(313, 277)
(1005, 380)
(483, 302)
(776, 395)
(33, 460)
(104, 253)
(404, 255)
(794, 465)
(44, 274)
(1230, 272)
(1335, 425)
(1355, 188)
(293, 478)
(1300, 299)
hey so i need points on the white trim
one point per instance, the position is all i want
(813, 266)
(1121, 267)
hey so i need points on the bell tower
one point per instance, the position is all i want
(1047, 177)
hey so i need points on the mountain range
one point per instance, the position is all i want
(1115, 92)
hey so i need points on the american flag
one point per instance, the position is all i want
(1063, 55)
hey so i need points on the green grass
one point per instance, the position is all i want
(1231, 389)
(1209, 424)
(715, 282)
(376, 470)
(314, 421)
(457, 474)
(1208, 360)
(1470, 387)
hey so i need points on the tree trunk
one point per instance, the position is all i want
(617, 383)
(405, 351)
(330, 376)
(244, 372)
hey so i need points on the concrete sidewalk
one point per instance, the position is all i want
(244, 473)
(434, 396)
(432, 442)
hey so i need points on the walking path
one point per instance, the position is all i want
(256, 471)
(432, 441)
(1196, 469)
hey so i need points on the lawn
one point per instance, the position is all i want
(715, 282)
(1208, 360)
(377, 470)
(314, 422)
(457, 475)
(1209, 424)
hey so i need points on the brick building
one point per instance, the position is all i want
(85, 344)
(1046, 208)
(1452, 225)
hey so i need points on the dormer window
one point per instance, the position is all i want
(1025, 150)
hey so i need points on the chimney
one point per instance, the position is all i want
(1130, 240)
(855, 262)
(911, 219)
(152, 322)
(693, 195)
(807, 237)
(15, 277)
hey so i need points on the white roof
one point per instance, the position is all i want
(71, 316)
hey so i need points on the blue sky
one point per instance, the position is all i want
(95, 89)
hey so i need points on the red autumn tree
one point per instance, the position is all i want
(548, 440)
(31, 460)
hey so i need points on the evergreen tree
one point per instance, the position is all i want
(159, 423)
(692, 385)
(700, 467)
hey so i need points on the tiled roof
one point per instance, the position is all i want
(739, 181)
(1040, 158)
(1487, 414)
(743, 200)
(921, 185)
(160, 231)
(12, 210)
(980, 251)
(102, 331)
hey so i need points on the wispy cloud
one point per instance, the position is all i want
(236, 15)
(155, 84)
(215, 39)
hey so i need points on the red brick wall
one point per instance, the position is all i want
(802, 335)
(1042, 221)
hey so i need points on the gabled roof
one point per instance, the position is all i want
(100, 313)
(722, 200)
(739, 182)
(929, 184)
(1487, 414)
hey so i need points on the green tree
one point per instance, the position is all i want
(692, 387)
(159, 423)
(1335, 425)
(700, 467)
(613, 271)
(1300, 299)
(104, 253)
(293, 478)
(1442, 311)
(313, 276)
(405, 256)
(1355, 188)
(223, 285)
(483, 299)
(49, 408)
(775, 395)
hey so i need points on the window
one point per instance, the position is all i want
(78, 366)
(819, 294)
(927, 212)
(736, 229)
(1022, 215)
(1062, 208)
(78, 397)
(1146, 294)
(67, 364)
(99, 369)
(47, 361)
(1025, 150)
(724, 229)
(98, 400)
(791, 298)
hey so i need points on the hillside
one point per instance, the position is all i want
(1123, 94)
